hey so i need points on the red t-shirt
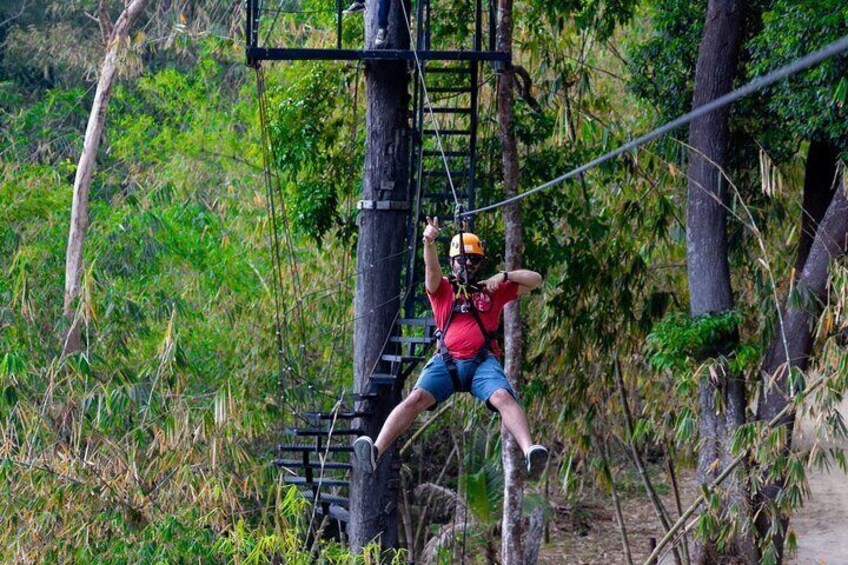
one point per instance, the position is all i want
(463, 338)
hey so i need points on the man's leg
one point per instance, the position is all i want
(513, 417)
(402, 416)
(368, 452)
(535, 456)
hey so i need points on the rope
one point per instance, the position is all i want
(756, 84)
(427, 102)
(281, 321)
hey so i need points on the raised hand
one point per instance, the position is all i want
(431, 231)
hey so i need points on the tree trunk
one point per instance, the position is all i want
(819, 185)
(82, 181)
(791, 350)
(512, 548)
(706, 248)
(374, 498)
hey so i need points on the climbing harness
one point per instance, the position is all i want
(463, 303)
(463, 307)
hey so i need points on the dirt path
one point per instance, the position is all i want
(822, 524)
(587, 532)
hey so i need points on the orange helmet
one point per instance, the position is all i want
(472, 244)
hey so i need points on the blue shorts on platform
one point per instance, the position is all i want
(482, 383)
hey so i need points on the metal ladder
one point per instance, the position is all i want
(452, 91)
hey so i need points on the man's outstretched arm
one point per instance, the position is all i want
(527, 280)
(432, 269)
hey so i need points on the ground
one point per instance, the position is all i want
(586, 532)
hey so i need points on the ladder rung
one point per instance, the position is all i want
(313, 465)
(417, 322)
(401, 358)
(437, 153)
(325, 497)
(447, 132)
(311, 448)
(334, 415)
(411, 339)
(322, 432)
(365, 395)
(383, 379)
(323, 482)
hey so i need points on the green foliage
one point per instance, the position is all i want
(678, 339)
(311, 127)
(811, 104)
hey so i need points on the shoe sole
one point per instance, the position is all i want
(538, 460)
(362, 450)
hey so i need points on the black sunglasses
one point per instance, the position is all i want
(471, 260)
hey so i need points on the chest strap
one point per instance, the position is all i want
(447, 358)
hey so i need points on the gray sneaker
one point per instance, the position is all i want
(365, 454)
(380, 40)
(537, 458)
(356, 6)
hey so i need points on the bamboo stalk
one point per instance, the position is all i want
(673, 479)
(622, 528)
(659, 508)
(718, 480)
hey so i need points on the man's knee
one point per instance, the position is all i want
(419, 400)
(501, 398)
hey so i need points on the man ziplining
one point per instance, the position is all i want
(467, 312)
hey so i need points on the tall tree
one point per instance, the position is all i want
(722, 395)
(826, 217)
(373, 510)
(512, 548)
(115, 37)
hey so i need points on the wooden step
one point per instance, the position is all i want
(324, 482)
(401, 358)
(322, 432)
(312, 448)
(332, 466)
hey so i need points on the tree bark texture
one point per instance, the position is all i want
(374, 498)
(706, 248)
(512, 539)
(819, 184)
(71, 341)
(791, 349)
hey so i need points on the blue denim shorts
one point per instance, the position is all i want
(488, 378)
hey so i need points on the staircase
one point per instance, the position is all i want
(316, 457)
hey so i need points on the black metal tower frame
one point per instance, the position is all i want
(255, 52)
(404, 348)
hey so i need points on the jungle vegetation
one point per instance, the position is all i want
(152, 443)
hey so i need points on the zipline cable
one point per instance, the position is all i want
(756, 84)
